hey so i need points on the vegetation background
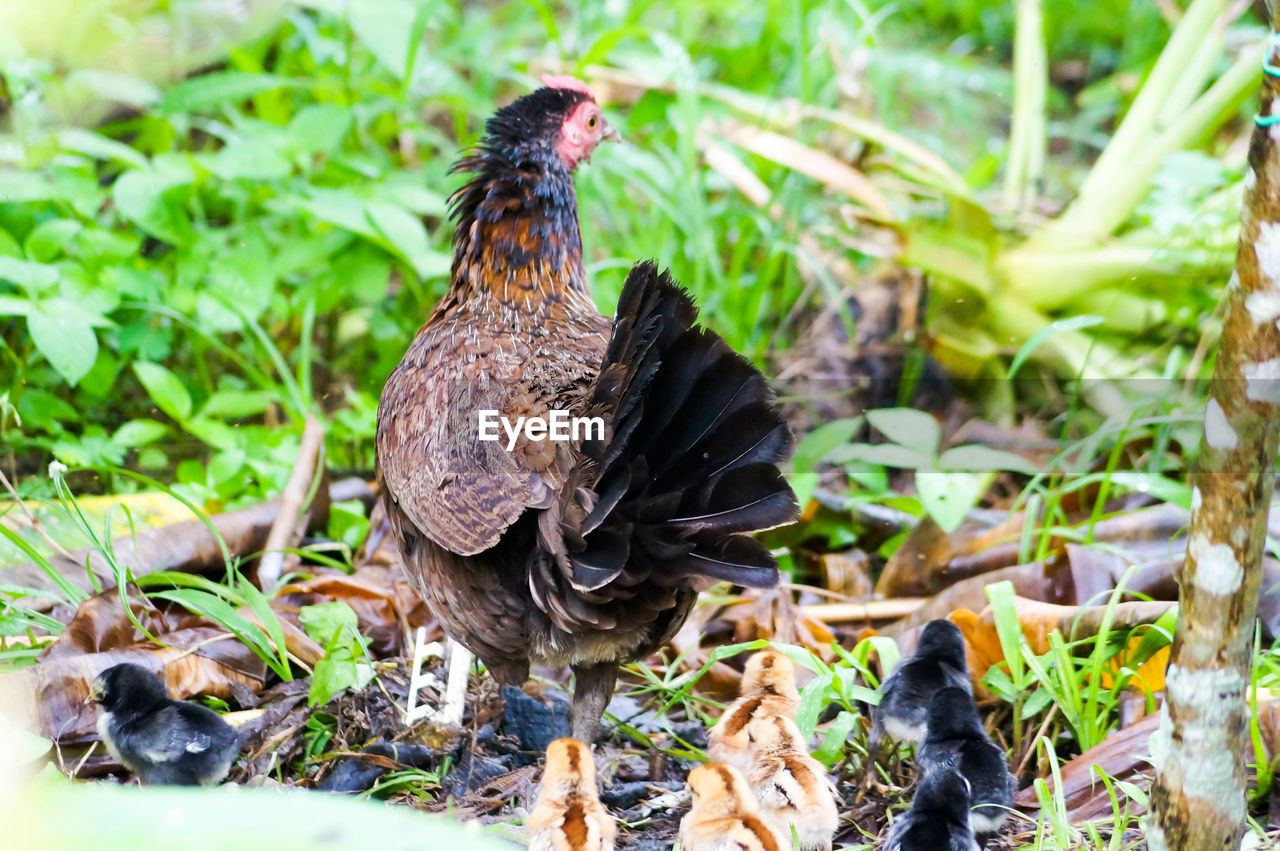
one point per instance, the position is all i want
(218, 217)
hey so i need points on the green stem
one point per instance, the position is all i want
(1089, 215)
(1027, 136)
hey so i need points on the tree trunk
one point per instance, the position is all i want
(1198, 799)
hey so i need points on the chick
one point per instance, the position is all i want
(956, 741)
(792, 786)
(938, 819)
(725, 815)
(569, 815)
(768, 690)
(162, 741)
(938, 663)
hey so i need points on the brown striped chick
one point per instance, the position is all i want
(725, 814)
(792, 786)
(569, 815)
(768, 690)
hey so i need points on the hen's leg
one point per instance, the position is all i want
(592, 690)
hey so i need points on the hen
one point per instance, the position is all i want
(585, 552)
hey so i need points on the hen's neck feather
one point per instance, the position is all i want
(517, 249)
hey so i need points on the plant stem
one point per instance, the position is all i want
(1027, 136)
(1198, 796)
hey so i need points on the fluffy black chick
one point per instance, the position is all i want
(938, 663)
(938, 819)
(164, 742)
(956, 742)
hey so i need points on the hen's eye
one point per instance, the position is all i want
(592, 122)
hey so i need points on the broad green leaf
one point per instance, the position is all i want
(219, 88)
(120, 88)
(816, 444)
(140, 432)
(408, 238)
(51, 239)
(246, 160)
(141, 197)
(884, 454)
(99, 147)
(324, 621)
(41, 409)
(908, 427)
(164, 388)
(948, 496)
(320, 128)
(974, 458)
(32, 277)
(803, 486)
(64, 335)
(385, 27)
(237, 403)
(62, 815)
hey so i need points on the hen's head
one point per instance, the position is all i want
(561, 118)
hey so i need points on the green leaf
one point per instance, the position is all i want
(1008, 628)
(385, 27)
(119, 88)
(32, 277)
(100, 147)
(815, 445)
(219, 88)
(164, 388)
(234, 404)
(1153, 484)
(908, 427)
(884, 454)
(803, 485)
(840, 731)
(249, 160)
(137, 433)
(975, 458)
(64, 335)
(812, 700)
(324, 621)
(408, 238)
(1061, 326)
(51, 238)
(948, 496)
(320, 128)
(140, 196)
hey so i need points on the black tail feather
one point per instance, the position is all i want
(687, 465)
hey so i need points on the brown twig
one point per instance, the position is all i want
(291, 520)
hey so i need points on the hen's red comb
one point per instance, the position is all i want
(564, 81)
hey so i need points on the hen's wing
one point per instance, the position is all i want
(459, 490)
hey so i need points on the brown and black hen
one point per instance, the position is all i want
(587, 552)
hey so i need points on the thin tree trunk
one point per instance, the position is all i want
(1198, 799)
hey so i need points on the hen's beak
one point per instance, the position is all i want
(611, 133)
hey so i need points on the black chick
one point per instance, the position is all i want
(164, 742)
(938, 819)
(956, 742)
(938, 663)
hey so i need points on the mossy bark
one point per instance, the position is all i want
(1198, 798)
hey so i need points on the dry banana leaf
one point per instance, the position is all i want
(189, 546)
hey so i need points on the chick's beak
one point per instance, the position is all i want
(95, 694)
(611, 133)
